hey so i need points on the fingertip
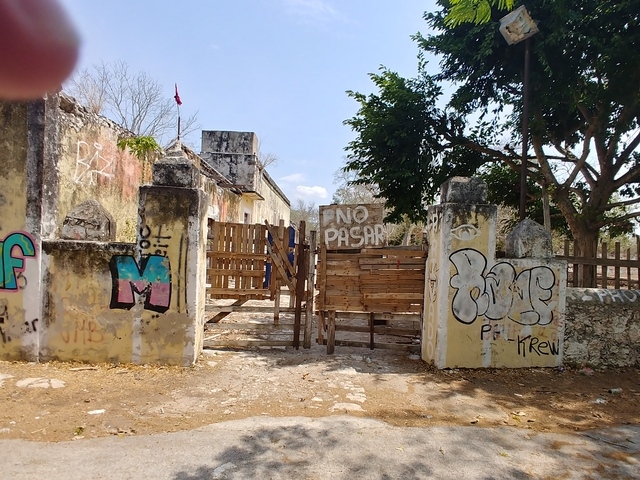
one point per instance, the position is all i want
(40, 48)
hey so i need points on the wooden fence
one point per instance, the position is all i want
(382, 287)
(614, 266)
(258, 262)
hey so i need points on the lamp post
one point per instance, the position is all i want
(515, 27)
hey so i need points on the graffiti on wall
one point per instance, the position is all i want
(499, 293)
(151, 279)
(85, 331)
(352, 226)
(90, 164)
(13, 250)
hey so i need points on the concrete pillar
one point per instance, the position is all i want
(170, 265)
(480, 312)
(465, 224)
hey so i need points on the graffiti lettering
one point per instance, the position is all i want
(86, 331)
(4, 320)
(31, 326)
(13, 251)
(160, 242)
(499, 293)
(152, 279)
(90, 165)
(532, 345)
(352, 226)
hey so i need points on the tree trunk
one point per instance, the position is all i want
(587, 242)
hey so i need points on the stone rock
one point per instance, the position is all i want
(467, 190)
(89, 221)
(529, 240)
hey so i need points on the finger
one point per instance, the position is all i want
(38, 48)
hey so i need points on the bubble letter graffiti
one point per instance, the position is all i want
(21, 245)
(152, 278)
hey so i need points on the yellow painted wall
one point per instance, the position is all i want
(19, 307)
(91, 166)
(482, 312)
(81, 326)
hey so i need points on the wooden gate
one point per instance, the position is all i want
(257, 265)
(382, 288)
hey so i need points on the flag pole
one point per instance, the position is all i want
(176, 97)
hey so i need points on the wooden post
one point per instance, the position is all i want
(321, 324)
(311, 264)
(371, 327)
(300, 280)
(331, 333)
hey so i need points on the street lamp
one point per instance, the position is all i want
(515, 27)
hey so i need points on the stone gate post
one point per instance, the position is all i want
(170, 263)
(480, 312)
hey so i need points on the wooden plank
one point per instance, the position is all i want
(310, 259)
(379, 329)
(322, 274)
(371, 331)
(221, 343)
(352, 226)
(240, 273)
(388, 346)
(300, 286)
(331, 332)
(409, 251)
(616, 269)
(278, 250)
(276, 260)
(243, 309)
(285, 328)
(393, 296)
(408, 317)
(221, 315)
(321, 327)
(239, 291)
(604, 251)
(398, 262)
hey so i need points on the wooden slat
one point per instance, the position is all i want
(212, 344)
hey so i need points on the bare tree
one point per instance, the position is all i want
(307, 212)
(352, 193)
(134, 100)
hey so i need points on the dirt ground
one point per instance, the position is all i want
(63, 401)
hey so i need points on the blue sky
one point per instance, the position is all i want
(279, 68)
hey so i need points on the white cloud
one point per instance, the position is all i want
(310, 193)
(294, 177)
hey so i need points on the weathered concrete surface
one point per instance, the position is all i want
(79, 323)
(529, 239)
(337, 447)
(91, 166)
(235, 155)
(468, 190)
(21, 154)
(602, 327)
(89, 221)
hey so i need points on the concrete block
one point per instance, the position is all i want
(529, 239)
(89, 221)
(463, 190)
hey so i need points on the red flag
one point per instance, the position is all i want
(177, 96)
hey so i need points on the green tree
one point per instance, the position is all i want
(473, 11)
(585, 113)
(307, 212)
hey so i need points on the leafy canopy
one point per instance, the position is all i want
(585, 113)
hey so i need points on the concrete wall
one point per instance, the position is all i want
(480, 312)
(22, 133)
(91, 166)
(602, 327)
(235, 156)
(80, 323)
